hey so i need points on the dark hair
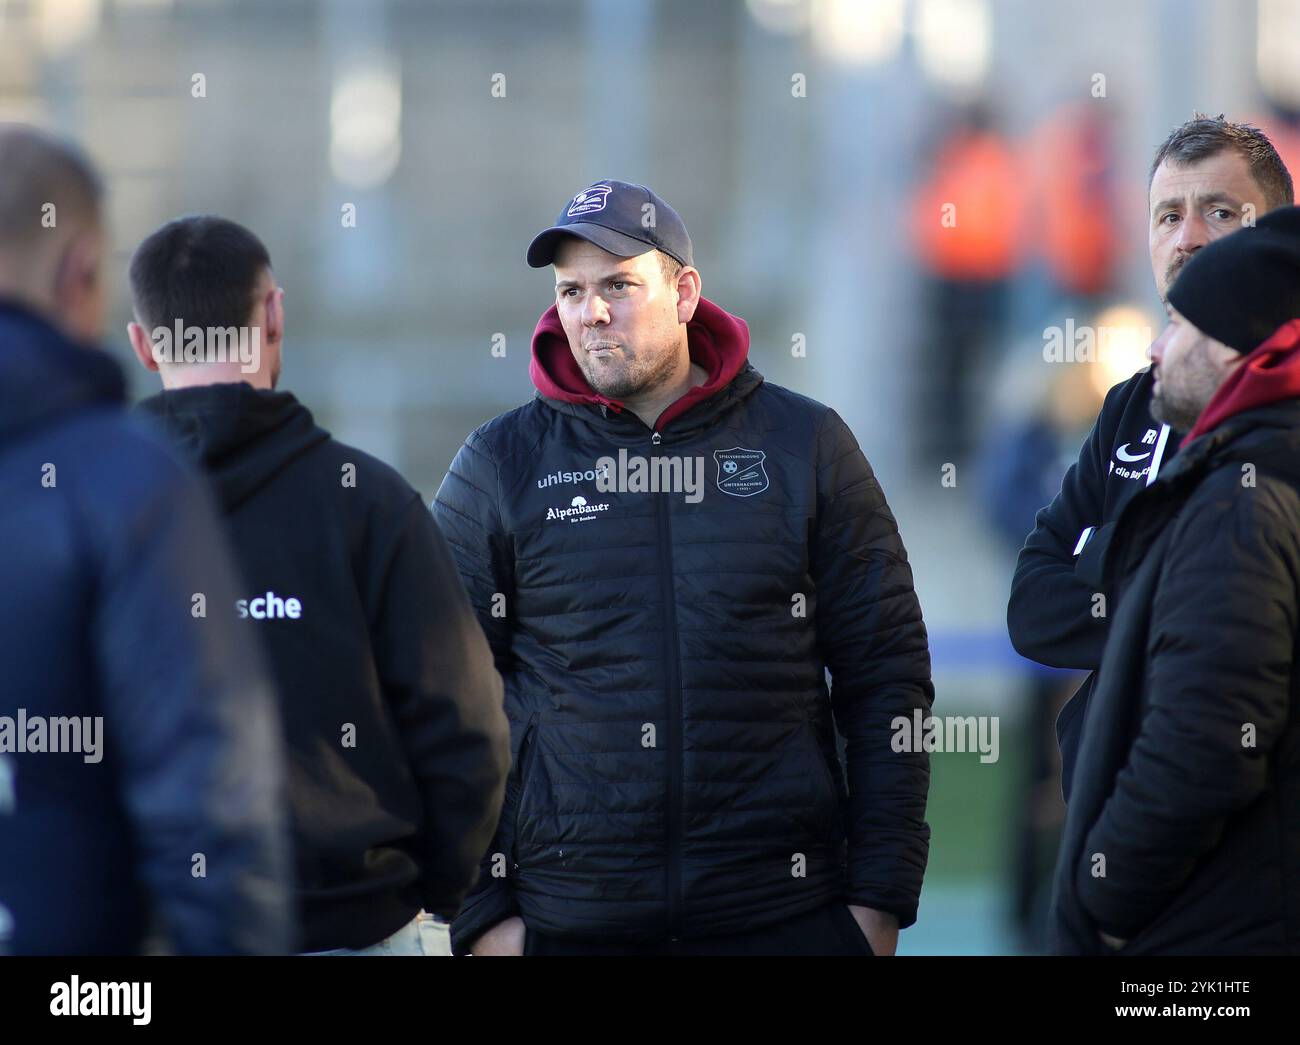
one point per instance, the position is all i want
(1204, 136)
(669, 266)
(202, 270)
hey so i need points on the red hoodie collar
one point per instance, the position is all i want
(1268, 374)
(719, 342)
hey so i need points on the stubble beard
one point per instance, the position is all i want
(634, 378)
(1177, 414)
(1180, 408)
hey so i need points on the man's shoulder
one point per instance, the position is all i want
(106, 479)
(513, 432)
(375, 479)
(789, 410)
(1235, 507)
(1138, 383)
(1130, 397)
(112, 457)
(787, 399)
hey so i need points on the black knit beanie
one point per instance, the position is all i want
(1241, 288)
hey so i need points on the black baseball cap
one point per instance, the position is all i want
(620, 217)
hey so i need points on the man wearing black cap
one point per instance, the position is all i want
(1182, 835)
(668, 554)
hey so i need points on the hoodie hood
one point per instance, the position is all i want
(1268, 374)
(241, 436)
(719, 343)
(44, 376)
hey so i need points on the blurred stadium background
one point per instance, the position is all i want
(810, 146)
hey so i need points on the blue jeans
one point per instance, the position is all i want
(423, 936)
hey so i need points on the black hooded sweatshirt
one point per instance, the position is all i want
(1054, 616)
(392, 708)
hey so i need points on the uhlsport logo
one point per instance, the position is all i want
(578, 511)
(576, 476)
(589, 200)
(740, 471)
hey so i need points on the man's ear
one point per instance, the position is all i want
(275, 316)
(75, 266)
(77, 273)
(689, 287)
(141, 346)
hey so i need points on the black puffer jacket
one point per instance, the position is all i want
(1187, 790)
(665, 661)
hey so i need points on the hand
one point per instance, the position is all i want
(504, 938)
(879, 927)
(1113, 942)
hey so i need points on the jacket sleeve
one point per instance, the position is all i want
(1050, 614)
(873, 640)
(466, 508)
(193, 723)
(437, 674)
(1219, 666)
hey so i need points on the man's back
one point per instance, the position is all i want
(104, 541)
(389, 698)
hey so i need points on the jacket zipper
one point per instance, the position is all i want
(671, 656)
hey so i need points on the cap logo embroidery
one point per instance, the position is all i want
(589, 200)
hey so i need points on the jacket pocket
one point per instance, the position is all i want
(826, 818)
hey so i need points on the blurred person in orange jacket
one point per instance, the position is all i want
(967, 225)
